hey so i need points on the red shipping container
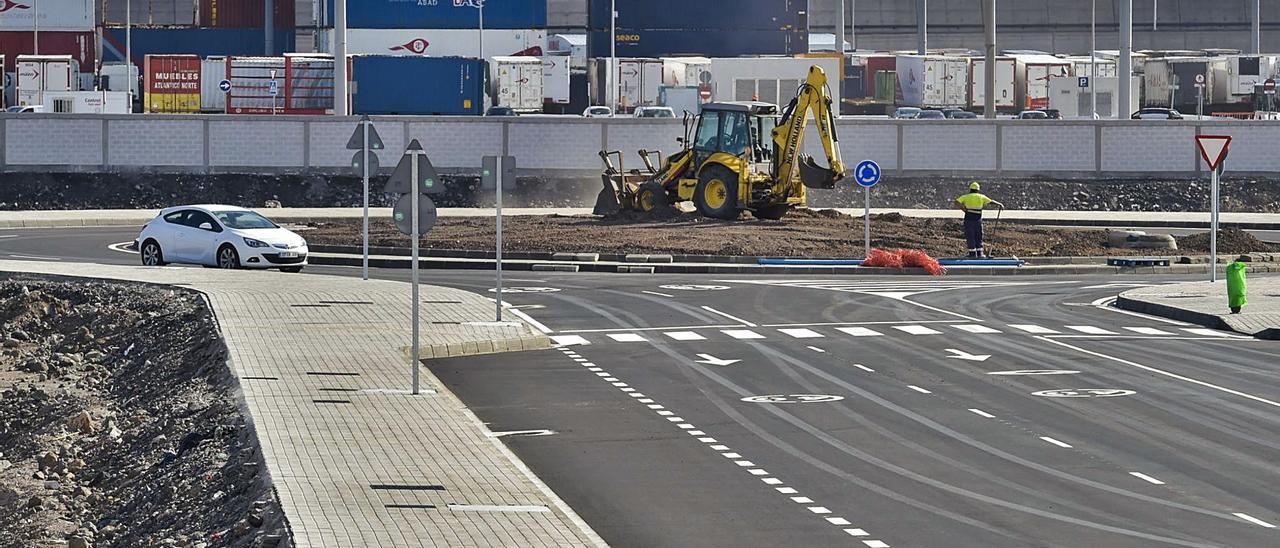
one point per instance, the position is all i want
(878, 64)
(79, 45)
(244, 13)
(172, 83)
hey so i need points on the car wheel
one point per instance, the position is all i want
(291, 269)
(151, 254)
(228, 257)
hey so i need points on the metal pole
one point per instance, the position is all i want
(613, 81)
(866, 222)
(499, 224)
(853, 24)
(989, 78)
(1155, 17)
(1093, 57)
(364, 265)
(1199, 102)
(1213, 222)
(922, 26)
(839, 47)
(482, 30)
(1255, 15)
(413, 218)
(35, 21)
(269, 26)
(340, 97)
(128, 52)
(1124, 68)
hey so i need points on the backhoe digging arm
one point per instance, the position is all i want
(788, 136)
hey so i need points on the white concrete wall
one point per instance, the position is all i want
(568, 146)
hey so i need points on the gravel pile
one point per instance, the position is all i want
(120, 424)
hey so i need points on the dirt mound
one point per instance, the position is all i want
(1230, 240)
(120, 424)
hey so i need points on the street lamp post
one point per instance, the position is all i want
(615, 90)
(128, 51)
(1093, 57)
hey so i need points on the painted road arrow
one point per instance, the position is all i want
(712, 360)
(530, 433)
(962, 355)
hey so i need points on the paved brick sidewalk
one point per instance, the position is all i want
(1205, 303)
(322, 362)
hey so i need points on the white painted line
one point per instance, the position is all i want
(1106, 302)
(122, 247)
(864, 368)
(917, 330)
(731, 455)
(802, 333)
(918, 389)
(639, 329)
(744, 463)
(1090, 330)
(581, 360)
(620, 384)
(569, 340)
(707, 440)
(802, 500)
(859, 331)
(594, 369)
(685, 336)
(497, 508)
(655, 406)
(1148, 331)
(529, 319)
(742, 334)
(675, 419)
(646, 400)
(875, 544)
(816, 349)
(773, 481)
(1032, 328)
(730, 316)
(1146, 478)
(697, 433)
(785, 490)
(665, 413)
(819, 510)
(658, 294)
(719, 447)
(982, 413)
(1214, 333)
(1253, 520)
(975, 328)
(1055, 442)
(1165, 373)
(36, 257)
(602, 373)
(757, 472)
(629, 390)
(838, 521)
(627, 337)
(856, 532)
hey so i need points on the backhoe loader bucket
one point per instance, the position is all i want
(608, 202)
(816, 176)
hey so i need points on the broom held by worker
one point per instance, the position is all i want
(972, 203)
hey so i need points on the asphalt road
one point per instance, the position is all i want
(704, 410)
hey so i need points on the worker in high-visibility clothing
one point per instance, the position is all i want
(972, 204)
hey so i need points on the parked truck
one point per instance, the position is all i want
(932, 81)
(86, 102)
(518, 83)
(40, 73)
(633, 81)
(1006, 87)
(1036, 71)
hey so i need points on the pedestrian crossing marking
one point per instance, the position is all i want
(569, 340)
(1213, 333)
(802, 333)
(627, 337)
(975, 328)
(1148, 331)
(1085, 331)
(917, 330)
(1034, 329)
(685, 336)
(742, 334)
(1090, 330)
(859, 331)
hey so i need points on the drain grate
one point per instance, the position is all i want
(331, 401)
(333, 374)
(410, 506)
(395, 487)
(259, 378)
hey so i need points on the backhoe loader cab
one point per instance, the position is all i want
(735, 156)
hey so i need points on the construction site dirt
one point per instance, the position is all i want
(802, 233)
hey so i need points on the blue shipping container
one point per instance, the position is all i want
(197, 41)
(674, 43)
(411, 85)
(700, 14)
(442, 14)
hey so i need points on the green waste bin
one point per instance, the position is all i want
(1236, 286)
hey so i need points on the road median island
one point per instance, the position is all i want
(1205, 303)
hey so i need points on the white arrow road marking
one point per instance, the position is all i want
(1253, 520)
(530, 433)
(712, 360)
(962, 355)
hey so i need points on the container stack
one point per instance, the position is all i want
(66, 28)
(203, 28)
(672, 28)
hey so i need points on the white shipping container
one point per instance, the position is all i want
(1072, 101)
(1006, 83)
(213, 70)
(573, 45)
(639, 80)
(680, 99)
(118, 79)
(55, 15)
(40, 73)
(1081, 66)
(685, 71)
(555, 79)
(768, 79)
(1038, 77)
(517, 83)
(1246, 71)
(1157, 83)
(439, 42)
(932, 81)
(86, 102)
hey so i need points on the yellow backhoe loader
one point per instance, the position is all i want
(729, 165)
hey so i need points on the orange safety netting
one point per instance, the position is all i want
(909, 258)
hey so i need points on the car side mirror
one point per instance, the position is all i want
(206, 226)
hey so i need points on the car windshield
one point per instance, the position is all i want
(657, 113)
(243, 220)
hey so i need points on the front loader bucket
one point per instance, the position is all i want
(816, 176)
(607, 201)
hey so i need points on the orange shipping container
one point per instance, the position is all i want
(173, 84)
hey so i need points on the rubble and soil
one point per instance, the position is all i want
(802, 233)
(121, 425)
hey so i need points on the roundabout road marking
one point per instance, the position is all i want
(793, 398)
(683, 287)
(1084, 393)
(1036, 372)
(525, 290)
(123, 247)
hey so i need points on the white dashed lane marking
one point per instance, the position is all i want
(864, 368)
(975, 328)
(917, 330)
(859, 331)
(1055, 442)
(685, 336)
(801, 333)
(982, 413)
(1146, 478)
(1090, 330)
(1148, 331)
(1035, 329)
(627, 337)
(1253, 520)
(918, 389)
(742, 334)
(569, 340)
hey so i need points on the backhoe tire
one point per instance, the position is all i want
(651, 196)
(772, 213)
(717, 193)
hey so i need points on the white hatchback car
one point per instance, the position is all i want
(220, 236)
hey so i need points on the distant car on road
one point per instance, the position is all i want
(930, 114)
(220, 236)
(905, 113)
(655, 112)
(1033, 115)
(1157, 114)
(1052, 113)
(16, 109)
(957, 114)
(597, 112)
(501, 111)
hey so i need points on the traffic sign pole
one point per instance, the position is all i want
(499, 236)
(1213, 228)
(364, 264)
(413, 220)
(1213, 149)
(867, 174)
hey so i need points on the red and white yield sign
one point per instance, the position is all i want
(1213, 148)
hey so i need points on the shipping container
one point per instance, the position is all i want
(876, 64)
(685, 42)
(768, 79)
(517, 83)
(573, 45)
(203, 42)
(249, 13)
(886, 86)
(855, 82)
(440, 85)
(117, 77)
(440, 43)
(172, 84)
(87, 102)
(579, 92)
(55, 15)
(1007, 81)
(1072, 101)
(740, 15)
(37, 74)
(1083, 66)
(1187, 96)
(213, 70)
(293, 84)
(150, 12)
(1035, 72)
(1244, 72)
(1157, 83)
(555, 79)
(686, 71)
(680, 99)
(444, 14)
(4, 92)
(930, 81)
(79, 45)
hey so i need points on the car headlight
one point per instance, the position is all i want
(255, 243)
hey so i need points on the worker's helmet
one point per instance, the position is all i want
(975, 186)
